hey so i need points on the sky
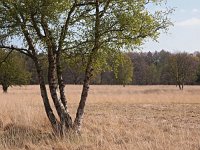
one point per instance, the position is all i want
(184, 36)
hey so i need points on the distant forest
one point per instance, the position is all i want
(137, 68)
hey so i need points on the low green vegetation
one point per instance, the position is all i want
(13, 70)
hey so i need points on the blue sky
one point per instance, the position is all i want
(185, 34)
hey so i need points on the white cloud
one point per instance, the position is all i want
(189, 22)
(195, 10)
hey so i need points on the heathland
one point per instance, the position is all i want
(116, 117)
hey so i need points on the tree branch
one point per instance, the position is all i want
(50, 41)
(65, 27)
(21, 50)
(35, 26)
(86, 3)
(5, 58)
(105, 8)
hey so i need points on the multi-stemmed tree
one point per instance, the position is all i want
(88, 28)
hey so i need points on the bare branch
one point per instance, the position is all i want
(21, 50)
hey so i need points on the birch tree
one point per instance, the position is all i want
(90, 28)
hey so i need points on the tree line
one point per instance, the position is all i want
(133, 68)
(166, 68)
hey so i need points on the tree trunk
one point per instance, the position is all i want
(182, 86)
(54, 122)
(5, 88)
(85, 90)
(88, 72)
(179, 85)
(54, 76)
(66, 121)
(101, 78)
(60, 81)
(51, 46)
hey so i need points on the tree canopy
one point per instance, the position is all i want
(12, 70)
(183, 68)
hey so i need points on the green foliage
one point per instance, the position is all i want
(122, 26)
(13, 70)
(183, 68)
(30, 14)
(152, 76)
(125, 70)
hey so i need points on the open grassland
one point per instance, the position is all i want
(116, 118)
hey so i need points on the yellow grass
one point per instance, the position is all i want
(130, 118)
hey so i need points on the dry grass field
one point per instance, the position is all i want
(116, 118)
